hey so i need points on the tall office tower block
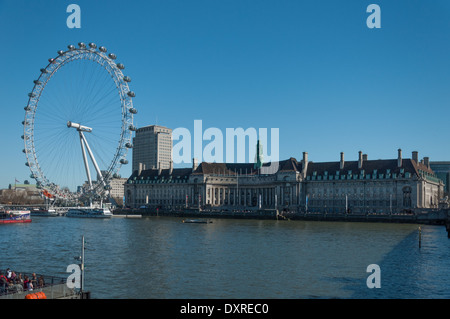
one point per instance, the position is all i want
(152, 148)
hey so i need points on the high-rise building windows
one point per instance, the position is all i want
(152, 147)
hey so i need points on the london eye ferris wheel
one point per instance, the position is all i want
(79, 123)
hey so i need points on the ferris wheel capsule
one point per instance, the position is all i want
(50, 95)
(133, 110)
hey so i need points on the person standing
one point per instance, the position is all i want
(3, 282)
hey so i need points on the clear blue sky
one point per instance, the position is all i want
(310, 68)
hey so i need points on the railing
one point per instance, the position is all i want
(52, 286)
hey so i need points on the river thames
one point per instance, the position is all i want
(163, 258)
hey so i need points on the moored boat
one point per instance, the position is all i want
(44, 212)
(87, 212)
(15, 216)
(196, 221)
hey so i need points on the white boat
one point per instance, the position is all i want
(44, 212)
(86, 212)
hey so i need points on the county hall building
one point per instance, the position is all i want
(360, 186)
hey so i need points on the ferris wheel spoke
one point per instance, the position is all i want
(83, 86)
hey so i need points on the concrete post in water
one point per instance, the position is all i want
(420, 237)
(82, 264)
(447, 227)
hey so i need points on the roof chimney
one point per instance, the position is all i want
(426, 161)
(194, 164)
(341, 166)
(399, 159)
(140, 169)
(171, 168)
(415, 156)
(305, 157)
(159, 168)
(304, 163)
(364, 157)
(360, 160)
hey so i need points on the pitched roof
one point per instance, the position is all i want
(242, 168)
(369, 167)
(290, 165)
(165, 174)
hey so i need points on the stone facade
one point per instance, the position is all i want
(371, 186)
(117, 190)
(364, 186)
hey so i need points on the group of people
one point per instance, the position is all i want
(12, 282)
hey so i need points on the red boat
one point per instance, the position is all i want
(15, 216)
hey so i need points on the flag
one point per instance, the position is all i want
(17, 180)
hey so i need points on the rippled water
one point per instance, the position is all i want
(162, 257)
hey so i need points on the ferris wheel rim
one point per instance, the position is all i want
(126, 103)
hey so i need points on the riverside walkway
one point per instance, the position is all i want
(432, 217)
